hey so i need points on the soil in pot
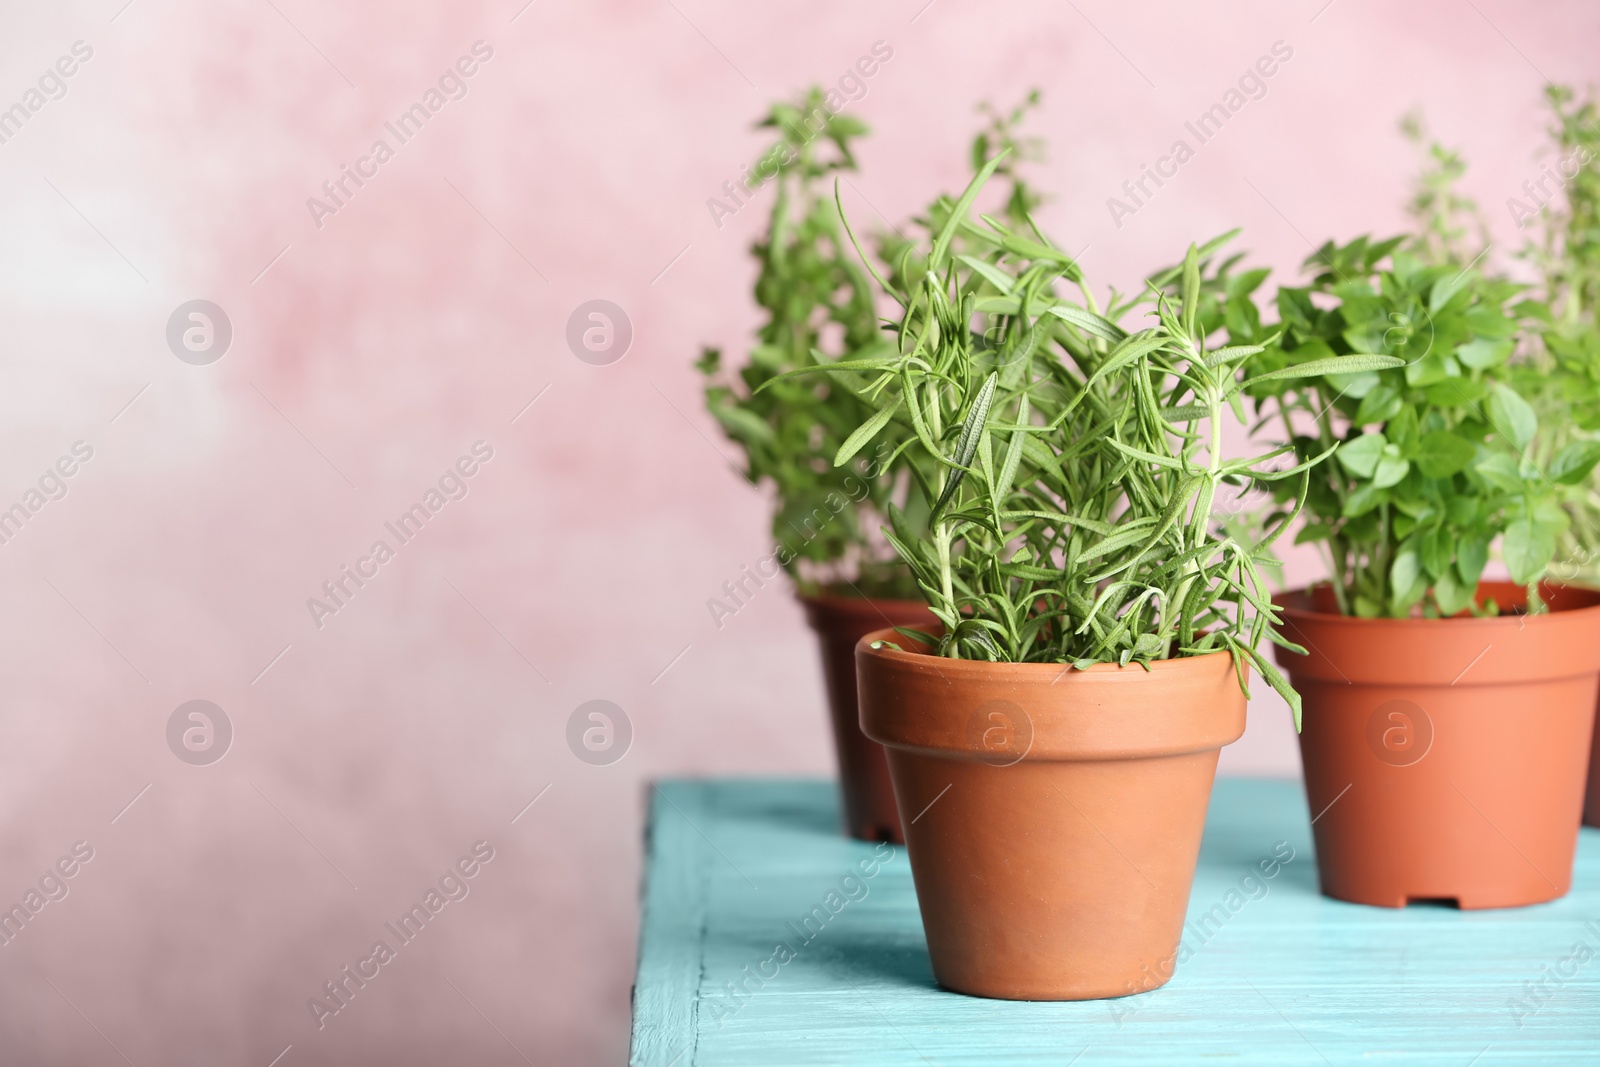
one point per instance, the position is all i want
(867, 797)
(1053, 816)
(1446, 759)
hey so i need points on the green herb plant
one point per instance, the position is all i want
(1450, 228)
(1568, 253)
(1563, 381)
(1073, 462)
(818, 305)
(906, 257)
(1556, 364)
(1439, 457)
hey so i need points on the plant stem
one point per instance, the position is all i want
(1201, 520)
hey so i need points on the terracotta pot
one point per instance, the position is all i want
(1591, 803)
(1053, 817)
(1445, 759)
(868, 798)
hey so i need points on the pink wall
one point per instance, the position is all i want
(419, 319)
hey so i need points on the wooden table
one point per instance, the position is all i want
(1278, 974)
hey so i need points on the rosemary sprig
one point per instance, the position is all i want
(1074, 457)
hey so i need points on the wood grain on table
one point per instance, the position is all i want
(767, 938)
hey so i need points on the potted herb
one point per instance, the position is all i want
(819, 306)
(796, 434)
(1054, 746)
(1447, 717)
(1563, 383)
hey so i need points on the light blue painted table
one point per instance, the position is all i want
(1284, 977)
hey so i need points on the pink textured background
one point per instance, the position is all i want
(420, 319)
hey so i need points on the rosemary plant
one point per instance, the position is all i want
(1073, 463)
(819, 304)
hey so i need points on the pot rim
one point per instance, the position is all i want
(1028, 671)
(921, 702)
(843, 602)
(1297, 604)
(1455, 653)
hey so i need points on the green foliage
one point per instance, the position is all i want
(819, 302)
(1450, 228)
(1074, 461)
(819, 307)
(1563, 381)
(1438, 458)
(1569, 254)
(1559, 374)
(999, 139)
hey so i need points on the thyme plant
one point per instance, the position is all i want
(819, 305)
(1569, 249)
(1450, 227)
(1073, 462)
(1564, 381)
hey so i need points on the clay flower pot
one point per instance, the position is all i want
(868, 798)
(1446, 758)
(1053, 816)
(1591, 803)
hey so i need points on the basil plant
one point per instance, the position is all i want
(1440, 458)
